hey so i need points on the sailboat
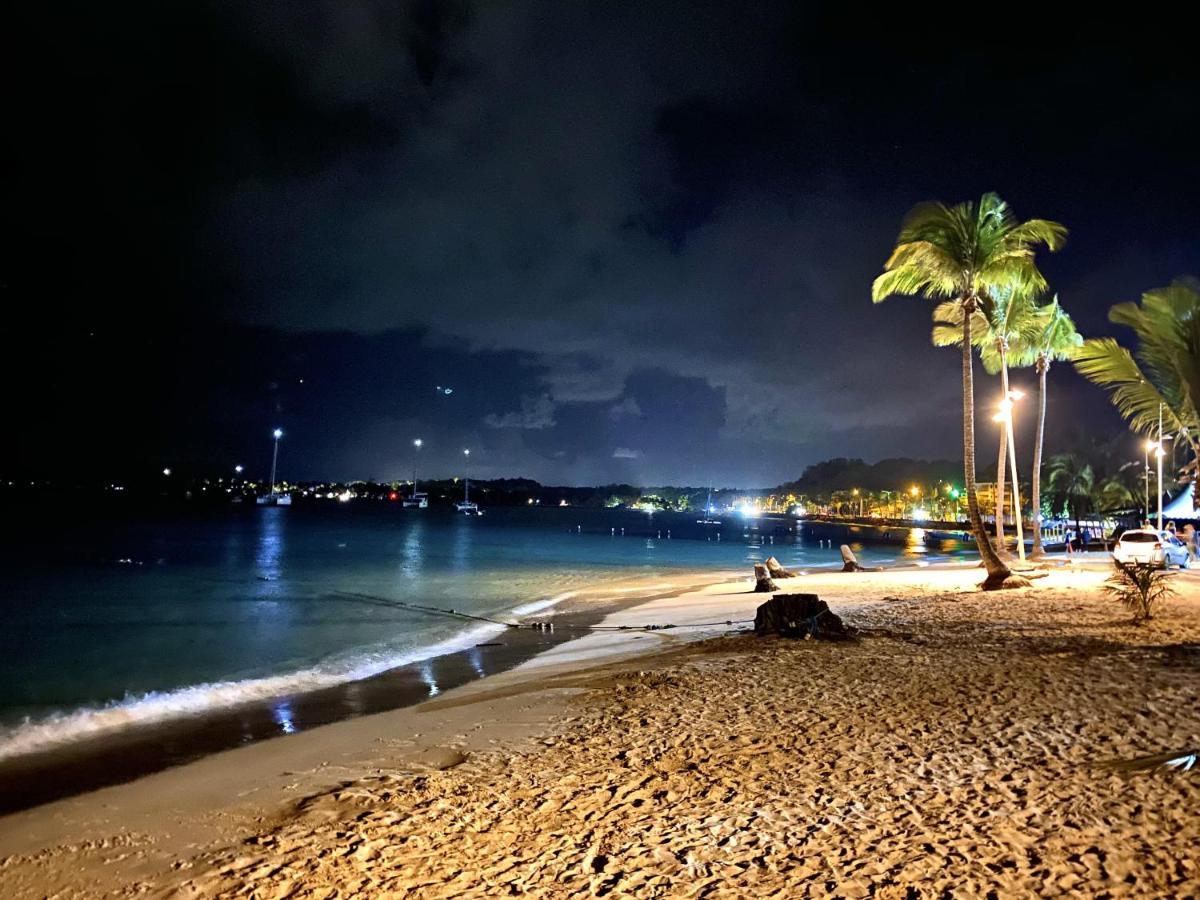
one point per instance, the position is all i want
(465, 505)
(274, 498)
(708, 508)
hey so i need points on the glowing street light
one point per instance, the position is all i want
(416, 448)
(1147, 448)
(167, 472)
(239, 469)
(1004, 416)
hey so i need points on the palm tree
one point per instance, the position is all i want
(1072, 485)
(968, 252)
(1164, 372)
(1005, 335)
(1056, 340)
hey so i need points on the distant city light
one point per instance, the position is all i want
(238, 469)
(920, 515)
(392, 495)
(166, 471)
(750, 512)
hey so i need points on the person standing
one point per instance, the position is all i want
(1189, 539)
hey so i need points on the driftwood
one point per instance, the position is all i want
(776, 570)
(762, 580)
(799, 615)
(850, 562)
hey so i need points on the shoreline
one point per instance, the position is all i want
(186, 828)
(123, 753)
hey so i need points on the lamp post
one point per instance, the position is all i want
(858, 494)
(1159, 453)
(277, 434)
(1146, 448)
(1005, 417)
(416, 448)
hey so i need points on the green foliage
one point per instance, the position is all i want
(1165, 367)
(1008, 331)
(1055, 339)
(1139, 587)
(1071, 484)
(974, 250)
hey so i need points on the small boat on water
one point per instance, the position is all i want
(274, 500)
(708, 508)
(418, 500)
(465, 506)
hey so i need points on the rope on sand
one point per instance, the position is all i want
(534, 626)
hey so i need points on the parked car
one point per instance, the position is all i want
(1151, 548)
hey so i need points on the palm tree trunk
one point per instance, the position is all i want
(1035, 497)
(997, 572)
(1001, 548)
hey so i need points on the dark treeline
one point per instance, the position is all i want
(841, 474)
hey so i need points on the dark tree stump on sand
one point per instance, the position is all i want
(850, 562)
(799, 615)
(776, 570)
(762, 580)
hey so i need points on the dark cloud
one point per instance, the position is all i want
(637, 238)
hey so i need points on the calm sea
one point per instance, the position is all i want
(114, 622)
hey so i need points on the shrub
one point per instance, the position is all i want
(1139, 587)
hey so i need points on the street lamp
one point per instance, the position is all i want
(1005, 417)
(416, 447)
(238, 469)
(1147, 448)
(277, 434)
(858, 494)
(167, 472)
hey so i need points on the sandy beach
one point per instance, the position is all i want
(957, 747)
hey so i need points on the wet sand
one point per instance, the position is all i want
(956, 747)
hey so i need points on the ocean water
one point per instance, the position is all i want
(112, 622)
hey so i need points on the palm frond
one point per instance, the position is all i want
(1177, 760)
(1105, 362)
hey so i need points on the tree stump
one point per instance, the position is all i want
(776, 570)
(800, 616)
(850, 562)
(762, 580)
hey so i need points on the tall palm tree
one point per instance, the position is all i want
(1163, 372)
(968, 252)
(1004, 336)
(1056, 339)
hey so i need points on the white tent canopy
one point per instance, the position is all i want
(1183, 506)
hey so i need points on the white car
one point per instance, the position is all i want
(1151, 548)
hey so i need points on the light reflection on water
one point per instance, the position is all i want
(283, 716)
(914, 545)
(426, 670)
(411, 556)
(269, 556)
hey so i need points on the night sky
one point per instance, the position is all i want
(637, 240)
